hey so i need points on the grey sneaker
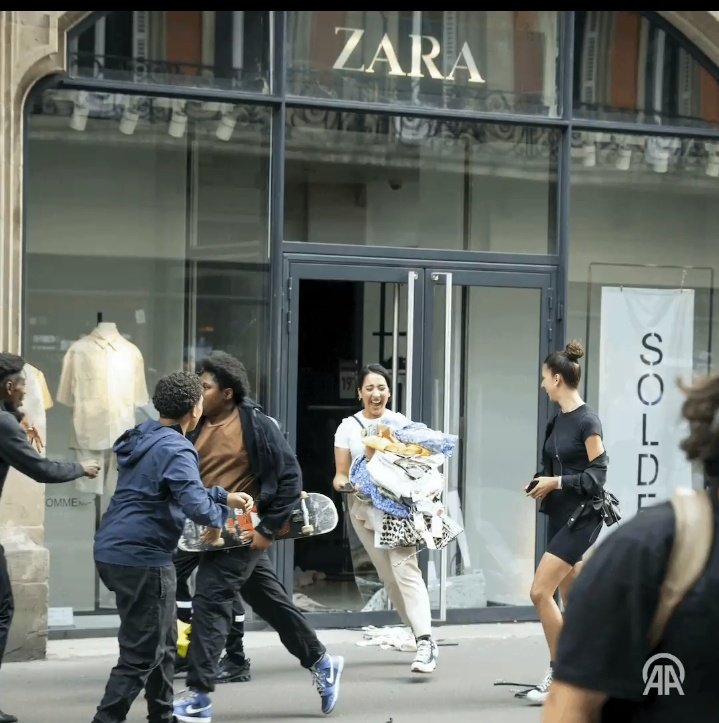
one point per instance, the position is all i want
(538, 695)
(425, 661)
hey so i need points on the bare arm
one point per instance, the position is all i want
(343, 459)
(595, 447)
(568, 704)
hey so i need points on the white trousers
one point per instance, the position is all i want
(400, 575)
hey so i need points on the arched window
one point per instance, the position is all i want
(227, 49)
(629, 67)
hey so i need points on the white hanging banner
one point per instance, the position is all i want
(646, 345)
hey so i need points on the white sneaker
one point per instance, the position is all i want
(539, 694)
(426, 659)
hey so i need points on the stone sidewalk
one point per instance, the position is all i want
(377, 685)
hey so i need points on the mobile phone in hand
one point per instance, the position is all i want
(531, 485)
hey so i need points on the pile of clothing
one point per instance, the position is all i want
(400, 478)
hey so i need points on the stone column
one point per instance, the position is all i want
(32, 45)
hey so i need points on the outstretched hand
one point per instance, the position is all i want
(91, 469)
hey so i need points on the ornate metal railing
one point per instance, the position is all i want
(149, 70)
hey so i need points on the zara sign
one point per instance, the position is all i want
(425, 49)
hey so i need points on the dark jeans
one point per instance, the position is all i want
(220, 575)
(7, 605)
(148, 635)
(185, 563)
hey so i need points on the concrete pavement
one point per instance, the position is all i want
(377, 686)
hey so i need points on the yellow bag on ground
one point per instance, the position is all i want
(183, 638)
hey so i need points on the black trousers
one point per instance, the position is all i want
(220, 575)
(148, 636)
(7, 604)
(185, 564)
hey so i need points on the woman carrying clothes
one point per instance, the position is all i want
(574, 468)
(396, 567)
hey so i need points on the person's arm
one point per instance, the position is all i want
(569, 704)
(289, 483)
(284, 465)
(20, 454)
(590, 482)
(182, 475)
(343, 460)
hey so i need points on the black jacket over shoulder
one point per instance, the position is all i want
(272, 463)
(16, 451)
(578, 488)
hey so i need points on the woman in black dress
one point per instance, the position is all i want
(574, 467)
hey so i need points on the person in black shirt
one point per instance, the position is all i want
(574, 465)
(604, 644)
(16, 451)
(248, 447)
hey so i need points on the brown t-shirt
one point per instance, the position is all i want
(223, 458)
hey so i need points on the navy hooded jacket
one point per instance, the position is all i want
(158, 486)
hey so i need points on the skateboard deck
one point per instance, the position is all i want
(314, 514)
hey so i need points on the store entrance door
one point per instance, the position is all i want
(464, 349)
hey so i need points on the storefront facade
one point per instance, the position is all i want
(450, 193)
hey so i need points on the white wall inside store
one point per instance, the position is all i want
(639, 230)
(108, 200)
(428, 209)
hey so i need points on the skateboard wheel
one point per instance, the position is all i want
(303, 495)
(308, 529)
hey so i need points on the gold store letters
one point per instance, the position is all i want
(386, 53)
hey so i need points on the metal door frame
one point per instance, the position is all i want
(296, 271)
(308, 266)
(545, 281)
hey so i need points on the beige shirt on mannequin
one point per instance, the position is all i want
(37, 399)
(103, 379)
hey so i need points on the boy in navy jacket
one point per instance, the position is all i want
(158, 487)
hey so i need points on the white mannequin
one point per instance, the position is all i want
(107, 329)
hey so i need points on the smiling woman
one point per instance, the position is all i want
(396, 567)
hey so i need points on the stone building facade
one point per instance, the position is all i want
(32, 47)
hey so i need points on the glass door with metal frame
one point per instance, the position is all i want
(465, 350)
(340, 318)
(486, 334)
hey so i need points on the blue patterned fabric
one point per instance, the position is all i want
(361, 477)
(421, 434)
(418, 433)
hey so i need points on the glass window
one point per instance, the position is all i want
(412, 182)
(501, 61)
(227, 49)
(643, 224)
(629, 69)
(147, 241)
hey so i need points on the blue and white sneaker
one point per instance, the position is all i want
(326, 673)
(193, 706)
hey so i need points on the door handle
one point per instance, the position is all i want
(446, 424)
(395, 338)
(411, 279)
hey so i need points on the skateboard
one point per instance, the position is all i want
(314, 514)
